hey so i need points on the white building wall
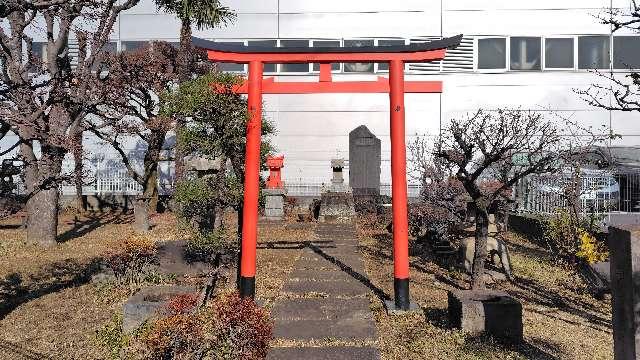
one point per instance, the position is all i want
(314, 128)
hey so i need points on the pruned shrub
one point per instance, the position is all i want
(372, 212)
(591, 250)
(131, 265)
(206, 246)
(227, 328)
(572, 237)
(440, 212)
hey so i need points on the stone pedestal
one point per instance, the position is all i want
(274, 207)
(337, 201)
(149, 302)
(486, 311)
(624, 247)
(337, 207)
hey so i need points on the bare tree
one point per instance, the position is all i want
(45, 104)
(132, 107)
(489, 152)
(617, 91)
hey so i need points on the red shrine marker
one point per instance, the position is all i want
(396, 86)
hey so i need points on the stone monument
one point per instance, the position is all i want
(624, 247)
(275, 191)
(486, 312)
(364, 162)
(337, 200)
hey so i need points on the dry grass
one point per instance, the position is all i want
(48, 309)
(561, 320)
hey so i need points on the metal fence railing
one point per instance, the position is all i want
(315, 189)
(596, 191)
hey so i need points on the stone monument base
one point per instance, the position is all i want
(148, 302)
(274, 207)
(337, 207)
(486, 311)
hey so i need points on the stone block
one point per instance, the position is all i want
(149, 302)
(337, 207)
(624, 247)
(491, 312)
(274, 206)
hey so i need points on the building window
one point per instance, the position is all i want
(328, 44)
(593, 52)
(133, 45)
(492, 54)
(526, 53)
(231, 67)
(626, 52)
(268, 68)
(385, 66)
(358, 67)
(559, 53)
(298, 68)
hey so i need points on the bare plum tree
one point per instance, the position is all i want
(489, 152)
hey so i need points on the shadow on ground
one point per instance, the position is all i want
(535, 349)
(16, 290)
(18, 351)
(86, 224)
(317, 247)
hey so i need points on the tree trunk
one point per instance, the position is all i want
(78, 156)
(42, 204)
(42, 220)
(184, 76)
(141, 215)
(29, 174)
(155, 142)
(480, 256)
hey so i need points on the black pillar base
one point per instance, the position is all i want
(401, 292)
(401, 304)
(247, 287)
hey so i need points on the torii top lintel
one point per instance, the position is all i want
(420, 52)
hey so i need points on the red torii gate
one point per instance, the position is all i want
(396, 56)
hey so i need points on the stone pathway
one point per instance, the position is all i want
(325, 302)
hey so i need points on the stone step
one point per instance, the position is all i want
(335, 329)
(325, 353)
(319, 274)
(322, 309)
(350, 288)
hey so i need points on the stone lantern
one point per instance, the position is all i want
(275, 191)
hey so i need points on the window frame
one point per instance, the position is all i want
(613, 54)
(507, 55)
(575, 52)
(542, 59)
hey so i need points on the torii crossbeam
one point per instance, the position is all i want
(395, 85)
